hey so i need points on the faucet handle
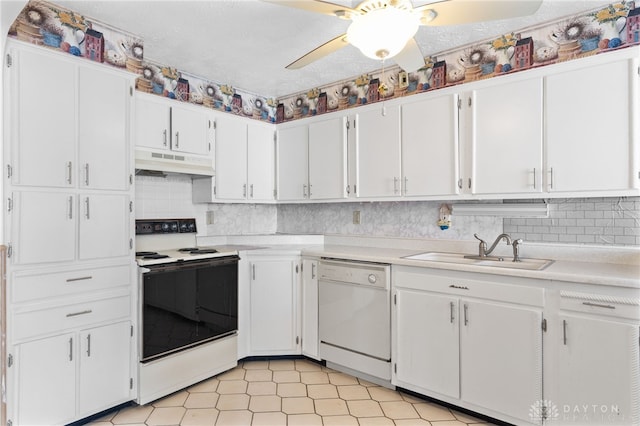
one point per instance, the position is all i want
(479, 239)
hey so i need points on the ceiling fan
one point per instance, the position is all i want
(384, 29)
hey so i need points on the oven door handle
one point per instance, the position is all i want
(189, 264)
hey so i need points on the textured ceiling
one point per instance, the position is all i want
(247, 43)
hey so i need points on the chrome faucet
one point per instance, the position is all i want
(482, 248)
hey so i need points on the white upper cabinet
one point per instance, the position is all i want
(189, 129)
(430, 146)
(152, 123)
(507, 137)
(167, 124)
(591, 114)
(378, 152)
(292, 163)
(260, 162)
(103, 129)
(328, 159)
(231, 159)
(44, 135)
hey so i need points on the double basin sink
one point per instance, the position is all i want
(499, 262)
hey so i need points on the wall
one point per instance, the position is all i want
(602, 221)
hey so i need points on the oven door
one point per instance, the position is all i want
(184, 304)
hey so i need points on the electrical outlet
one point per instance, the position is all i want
(356, 217)
(210, 218)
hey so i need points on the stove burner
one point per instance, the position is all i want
(155, 256)
(189, 249)
(145, 253)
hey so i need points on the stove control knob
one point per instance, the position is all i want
(165, 227)
(372, 278)
(174, 226)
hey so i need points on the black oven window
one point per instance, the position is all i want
(188, 305)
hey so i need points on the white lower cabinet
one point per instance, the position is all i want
(274, 306)
(598, 362)
(310, 308)
(72, 375)
(469, 342)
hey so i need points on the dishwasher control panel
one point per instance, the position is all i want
(351, 272)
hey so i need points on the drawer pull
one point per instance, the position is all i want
(466, 314)
(70, 280)
(564, 332)
(452, 317)
(88, 345)
(71, 349)
(460, 287)
(75, 314)
(598, 305)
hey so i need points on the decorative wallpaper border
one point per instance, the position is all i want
(603, 29)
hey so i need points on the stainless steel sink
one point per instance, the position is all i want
(499, 262)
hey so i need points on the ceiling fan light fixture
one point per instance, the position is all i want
(383, 33)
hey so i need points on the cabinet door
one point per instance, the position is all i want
(310, 308)
(105, 362)
(46, 381)
(430, 147)
(189, 130)
(589, 128)
(152, 123)
(260, 162)
(273, 307)
(103, 129)
(379, 152)
(507, 138)
(501, 357)
(328, 159)
(43, 149)
(427, 342)
(104, 226)
(43, 227)
(292, 167)
(231, 159)
(598, 367)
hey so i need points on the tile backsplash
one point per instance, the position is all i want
(600, 221)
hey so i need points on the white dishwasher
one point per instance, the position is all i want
(354, 316)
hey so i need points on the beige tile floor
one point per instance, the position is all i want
(287, 392)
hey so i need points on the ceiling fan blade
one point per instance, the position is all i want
(317, 6)
(410, 58)
(455, 12)
(319, 52)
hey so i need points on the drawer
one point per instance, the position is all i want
(45, 284)
(26, 325)
(599, 304)
(510, 290)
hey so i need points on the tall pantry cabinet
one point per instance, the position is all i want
(68, 223)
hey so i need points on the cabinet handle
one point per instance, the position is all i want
(88, 213)
(253, 272)
(164, 137)
(70, 280)
(244, 190)
(466, 314)
(177, 139)
(71, 207)
(551, 178)
(452, 317)
(406, 185)
(70, 348)
(304, 191)
(598, 305)
(534, 178)
(69, 172)
(88, 345)
(564, 332)
(86, 174)
(251, 190)
(75, 314)
(348, 189)
(395, 185)
(459, 287)
(460, 183)
(469, 183)
(313, 271)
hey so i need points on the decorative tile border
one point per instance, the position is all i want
(606, 28)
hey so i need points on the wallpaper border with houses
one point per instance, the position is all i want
(602, 29)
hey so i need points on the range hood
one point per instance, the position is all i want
(171, 162)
